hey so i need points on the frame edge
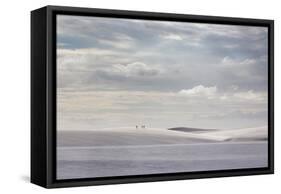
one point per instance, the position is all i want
(38, 169)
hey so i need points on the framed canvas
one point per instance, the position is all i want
(127, 96)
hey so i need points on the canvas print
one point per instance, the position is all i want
(142, 97)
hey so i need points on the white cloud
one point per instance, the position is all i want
(229, 62)
(233, 96)
(85, 52)
(172, 37)
(250, 95)
(120, 41)
(116, 44)
(200, 90)
(133, 69)
(88, 59)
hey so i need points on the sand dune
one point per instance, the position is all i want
(244, 134)
(151, 136)
(193, 130)
(124, 136)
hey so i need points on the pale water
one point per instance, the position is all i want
(115, 160)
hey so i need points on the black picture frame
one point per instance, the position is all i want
(43, 95)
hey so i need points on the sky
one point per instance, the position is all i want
(123, 72)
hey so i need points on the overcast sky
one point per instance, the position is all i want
(123, 72)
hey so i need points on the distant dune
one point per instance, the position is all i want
(244, 134)
(125, 136)
(188, 129)
(156, 136)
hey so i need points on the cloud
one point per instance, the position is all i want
(245, 72)
(200, 91)
(233, 95)
(118, 41)
(250, 95)
(172, 37)
(228, 61)
(138, 69)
